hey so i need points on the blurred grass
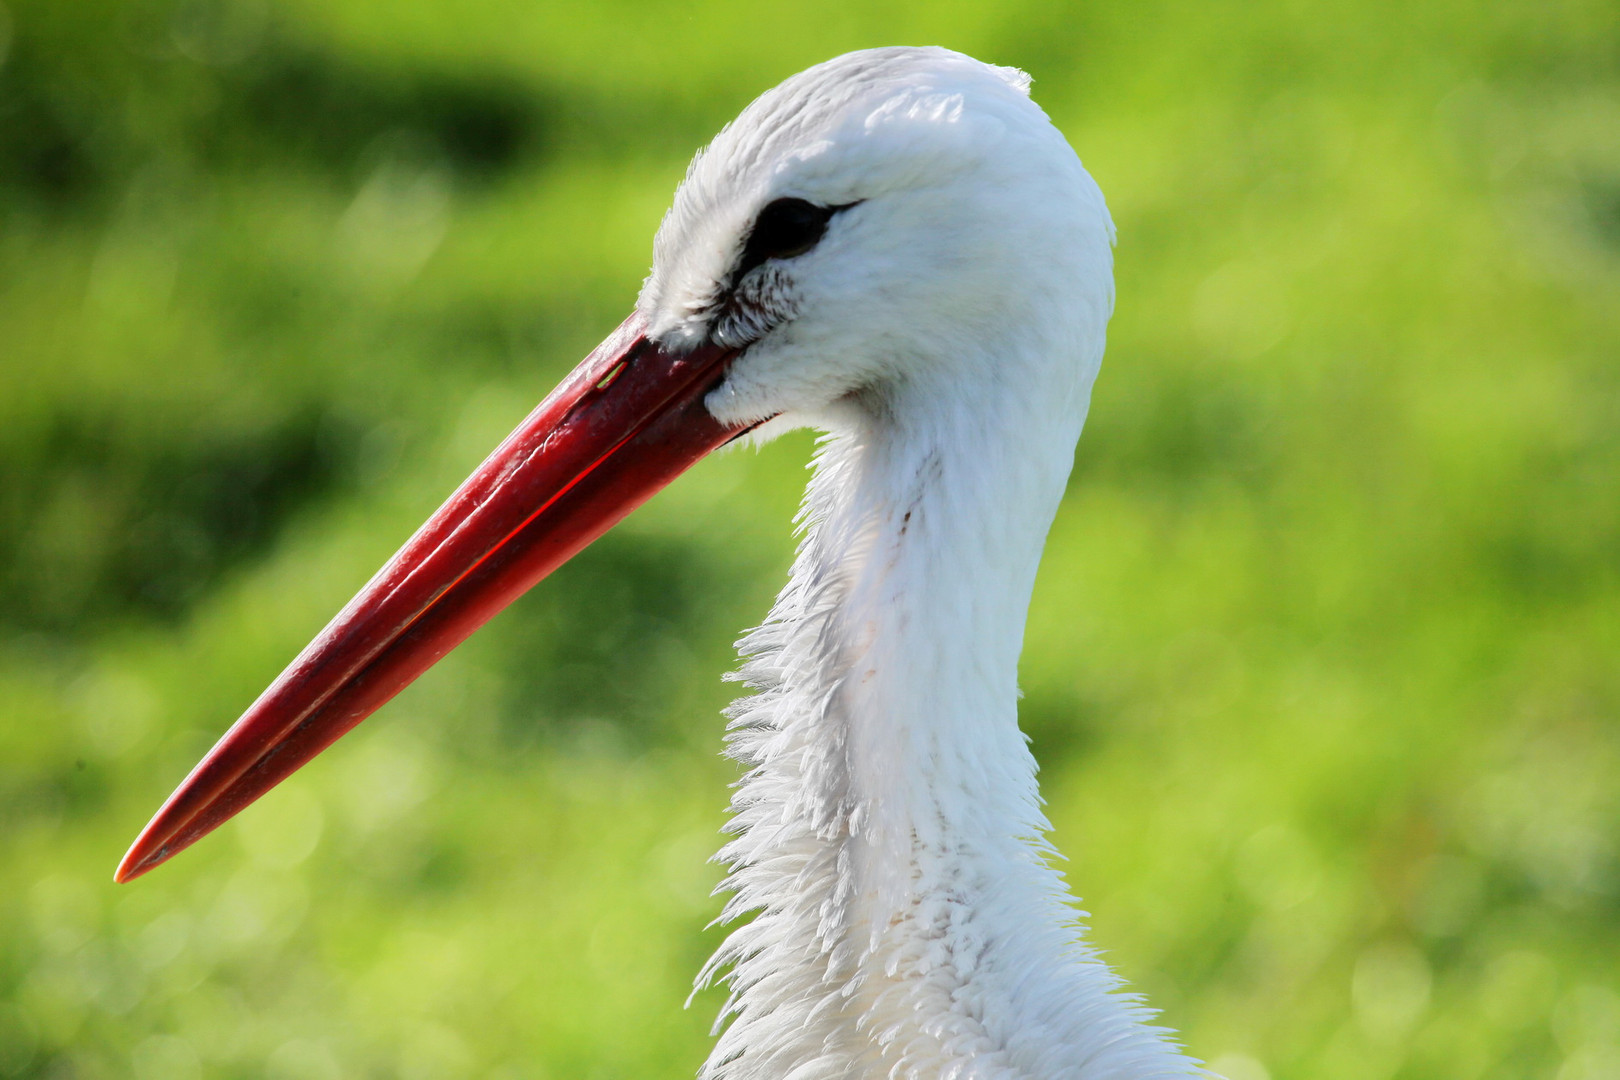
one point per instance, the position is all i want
(1321, 669)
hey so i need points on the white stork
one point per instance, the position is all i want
(897, 248)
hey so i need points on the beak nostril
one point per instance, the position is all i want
(607, 380)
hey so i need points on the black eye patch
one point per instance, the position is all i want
(785, 228)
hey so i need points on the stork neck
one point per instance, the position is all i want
(928, 524)
(907, 922)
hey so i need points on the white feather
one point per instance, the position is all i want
(889, 841)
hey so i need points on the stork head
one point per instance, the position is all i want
(888, 216)
(883, 221)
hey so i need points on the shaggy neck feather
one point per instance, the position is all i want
(889, 836)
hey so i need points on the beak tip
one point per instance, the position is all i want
(134, 865)
(142, 856)
(128, 870)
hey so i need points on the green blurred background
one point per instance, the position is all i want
(1322, 663)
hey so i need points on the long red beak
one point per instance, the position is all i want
(625, 423)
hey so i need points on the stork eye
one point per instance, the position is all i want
(785, 228)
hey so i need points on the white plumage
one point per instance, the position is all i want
(945, 333)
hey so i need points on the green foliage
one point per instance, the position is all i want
(1321, 669)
